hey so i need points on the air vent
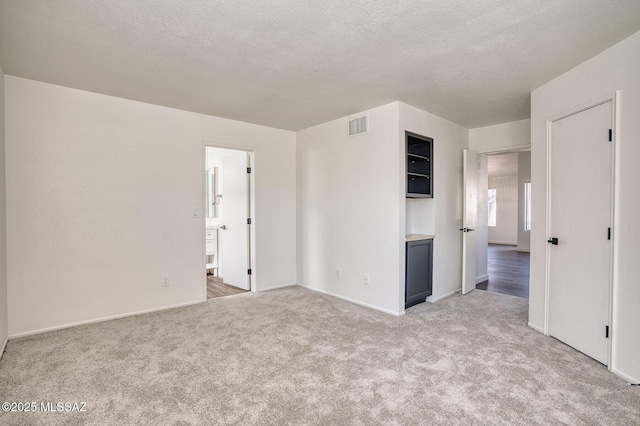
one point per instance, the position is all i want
(358, 126)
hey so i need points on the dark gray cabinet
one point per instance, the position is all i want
(419, 264)
(419, 166)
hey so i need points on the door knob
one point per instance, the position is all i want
(223, 227)
(553, 241)
(470, 229)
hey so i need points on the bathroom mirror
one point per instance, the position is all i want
(212, 192)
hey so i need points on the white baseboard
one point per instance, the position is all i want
(4, 345)
(357, 302)
(432, 299)
(626, 377)
(278, 287)
(503, 243)
(482, 278)
(93, 321)
(536, 328)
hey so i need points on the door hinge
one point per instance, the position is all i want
(608, 233)
(249, 271)
(249, 221)
(610, 135)
(249, 170)
(606, 331)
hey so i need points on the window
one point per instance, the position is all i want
(492, 207)
(527, 206)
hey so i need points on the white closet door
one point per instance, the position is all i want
(579, 218)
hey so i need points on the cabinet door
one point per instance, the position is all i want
(418, 271)
(210, 247)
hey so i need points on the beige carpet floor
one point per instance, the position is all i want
(292, 356)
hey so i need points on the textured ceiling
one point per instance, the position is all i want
(293, 64)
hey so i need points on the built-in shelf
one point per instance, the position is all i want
(419, 166)
(418, 156)
(419, 175)
(418, 247)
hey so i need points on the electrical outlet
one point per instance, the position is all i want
(366, 279)
(338, 274)
(165, 281)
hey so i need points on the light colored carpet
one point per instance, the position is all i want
(292, 356)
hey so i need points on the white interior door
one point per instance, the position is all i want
(469, 220)
(580, 219)
(233, 235)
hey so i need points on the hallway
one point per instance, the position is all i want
(508, 271)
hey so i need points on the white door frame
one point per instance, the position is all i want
(252, 213)
(614, 99)
(507, 150)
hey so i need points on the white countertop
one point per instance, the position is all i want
(418, 237)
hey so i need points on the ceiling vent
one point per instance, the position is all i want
(358, 126)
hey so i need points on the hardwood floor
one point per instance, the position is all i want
(508, 271)
(217, 288)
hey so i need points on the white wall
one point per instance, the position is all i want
(617, 68)
(4, 330)
(513, 135)
(506, 229)
(100, 192)
(482, 230)
(524, 175)
(352, 210)
(348, 214)
(441, 215)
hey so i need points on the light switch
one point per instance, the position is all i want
(195, 213)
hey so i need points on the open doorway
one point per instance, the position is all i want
(504, 223)
(227, 221)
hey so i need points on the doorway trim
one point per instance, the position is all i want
(251, 260)
(509, 150)
(614, 99)
(506, 150)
